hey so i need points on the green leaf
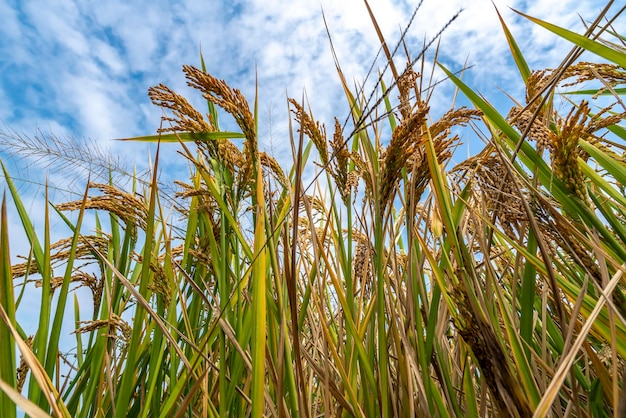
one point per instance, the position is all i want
(186, 137)
(7, 302)
(618, 130)
(259, 303)
(584, 42)
(522, 65)
(615, 168)
(605, 92)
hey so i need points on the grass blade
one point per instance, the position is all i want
(7, 302)
(584, 42)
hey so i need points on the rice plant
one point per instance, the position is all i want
(394, 284)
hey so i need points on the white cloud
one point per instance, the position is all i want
(109, 57)
(58, 22)
(10, 28)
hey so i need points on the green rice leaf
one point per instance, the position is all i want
(186, 137)
(7, 302)
(606, 52)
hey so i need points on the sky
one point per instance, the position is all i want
(81, 69)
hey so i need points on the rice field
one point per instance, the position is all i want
(394, 284)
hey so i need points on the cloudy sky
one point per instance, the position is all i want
(82, 68)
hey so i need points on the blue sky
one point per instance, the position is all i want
(82, 69)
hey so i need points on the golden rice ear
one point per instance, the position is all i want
(186, 117)
(565, 151)
(499, 195)
(231, 100)
(114, 323)
(362, 265)
(362, 172)
(273, 167)
(132, 210)
(339, 170)
(611, 75)
(406, 83)
(61, 253)
(22, 370)
(494, 195)
(521, 118)
(536, 84)
(442, 142)
(334, 162)
(314, 130)
(406, 138)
